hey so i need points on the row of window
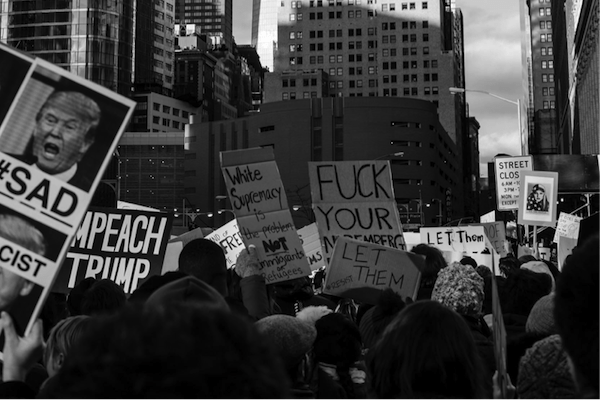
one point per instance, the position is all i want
(167, 109)
(413, 91)
(545, 37)
(546, 51)
(547, 64)
(352, 14)
(545, 12)
(545, 24)
(547, 78)
(166, 122)
(371, 44)
(549, 104)
(355, 32)
(547, 91)
(359, 58)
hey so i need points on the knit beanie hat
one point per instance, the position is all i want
(540, 267)
(541, 317)
(544, 372)
(291, 337)
(188, 290)
(312, 314)
(460, 288)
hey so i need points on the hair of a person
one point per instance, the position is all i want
(104, 296)
(64, 334)
(522, 289)
(576, 313)
(205, 260)
(427, 352)
(434, 262)
(174, 351)
(338, 343)
(509, 264)
(79, 104)
(22, 232)
(75, 296)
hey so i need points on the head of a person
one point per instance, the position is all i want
(509, 264)
(426, 352)
(26, 235)
(539, 193)
(62, 337)
(64, 131)
(338, 340)
(377, 318)
(174, 351)
(205, 260)
(576, 314)
(522, 289)
(434, 262)
(460, 288)
(104, 296)
(469, 261)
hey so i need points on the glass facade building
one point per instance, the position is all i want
(214, 17)
(91, 38)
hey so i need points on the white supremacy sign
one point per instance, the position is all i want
(468, 239)
(508, 180)
(360, 271)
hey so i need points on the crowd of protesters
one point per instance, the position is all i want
(206, 331)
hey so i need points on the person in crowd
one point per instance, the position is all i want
(65, 130)
(426, 352)
(508, 264)
(104, 296)
(293, 339)
(187, 290)
(293, 295)
(537, 200)
(469, 261)
(539, 267)
(544, 372)
(337, 350)
(576, 315)
(378, 317)
(75, 296)
(434, 262)
(61, 339)
(460, 288)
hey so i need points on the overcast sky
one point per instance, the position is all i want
(493, 64)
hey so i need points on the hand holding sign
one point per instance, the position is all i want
(247, 263)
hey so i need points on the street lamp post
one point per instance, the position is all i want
(455, 90)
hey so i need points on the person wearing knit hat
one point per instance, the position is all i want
(544, 372)
(460, 288)
(187, 290)
(539, 267)
(541, 317)
(377, 318)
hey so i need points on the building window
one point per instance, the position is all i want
(424, 5)
(548, 12)
(552, 104)
(543, 38)
(292, 17)
(425, 24)
(412, 6)
(372, 70)
(427, 91)
(546, 104)
(550, 77)
(549, 36)
(435, 90)
(544, 91)
(542, 12)
(425, 50)
(544, 64)
(544, 78)
(543, 50)
(551, 91)
(156, 106)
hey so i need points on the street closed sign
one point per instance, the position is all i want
(508, 178)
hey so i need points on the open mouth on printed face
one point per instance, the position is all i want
(51, 150)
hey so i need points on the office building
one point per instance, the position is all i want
(367, 48)
(94, 40)
(213, 17)
(424, 159)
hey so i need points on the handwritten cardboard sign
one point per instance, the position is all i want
(309, 235)
(469, 239)
(508, 180)
(229, 238)
(260, 206)
(47, 181)
(496, 233)
(361, 270)
(355, 199)
(125, 246)
(567, 226)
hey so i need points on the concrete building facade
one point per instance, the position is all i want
(426, 165)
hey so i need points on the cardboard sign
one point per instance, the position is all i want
(57, 134)
(468, 239)
(355, 199)
(125, 246)
(361, 271)
(260, 206)
(309, 236)
(567, 226)
(508, 180)
(537, 203)
(496, 233)
(229, 238)
(564, 247)
(499, 332)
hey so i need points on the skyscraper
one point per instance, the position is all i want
(214, 17)
(367, 48)
(91, 39)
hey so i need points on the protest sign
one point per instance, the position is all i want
(361, 271)
(496, 233)
(355, 199)
(567, 226)
(309, 236)
(508, 180)
(468, 239)
(537, 202)
(564, 248)
(125, 246)
(57, 134)
(228, 237)
(499, 334)
(259, 202)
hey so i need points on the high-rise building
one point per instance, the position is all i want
(154, 46)
(540, 94)
(213, 17)
(366, 48)
(93, 40)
